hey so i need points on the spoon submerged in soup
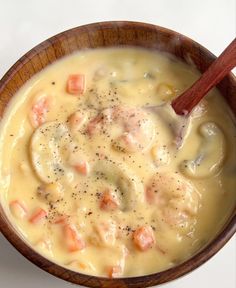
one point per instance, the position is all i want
(187, 106)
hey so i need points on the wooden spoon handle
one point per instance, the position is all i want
(184, 103)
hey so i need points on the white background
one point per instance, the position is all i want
(25, 23)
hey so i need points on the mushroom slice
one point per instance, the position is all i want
(47, 148)
(210, 155)
(130, 187)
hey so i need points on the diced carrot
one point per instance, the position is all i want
(144, 238)
(38, 216)
(18, 208)
(74, 242)
(76, 84)
(114, 271)
(38, 111)
(82, 167)
(108, 202)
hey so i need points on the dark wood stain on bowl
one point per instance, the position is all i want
(104, 35)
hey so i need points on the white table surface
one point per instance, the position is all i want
(25, 23)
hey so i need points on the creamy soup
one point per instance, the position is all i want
(99, 175)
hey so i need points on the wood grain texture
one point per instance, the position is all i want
(104, 35)
(184, 103)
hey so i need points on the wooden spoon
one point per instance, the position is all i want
(184, 103)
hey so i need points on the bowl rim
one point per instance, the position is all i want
(11, 234)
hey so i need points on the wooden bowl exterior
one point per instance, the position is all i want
(104, 35)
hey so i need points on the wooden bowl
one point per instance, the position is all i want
(104, 35)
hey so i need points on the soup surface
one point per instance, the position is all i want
(99, 175)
